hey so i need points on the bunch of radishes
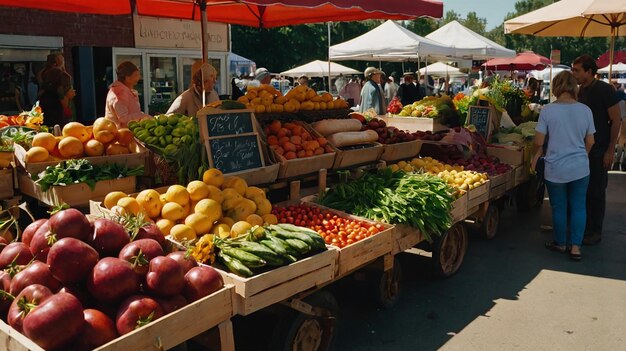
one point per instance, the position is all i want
(75, 285)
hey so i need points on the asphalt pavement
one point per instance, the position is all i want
(499, 278)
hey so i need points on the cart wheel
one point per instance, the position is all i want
(449, 251)
(489, 225)
(389, 286)
(297, 331)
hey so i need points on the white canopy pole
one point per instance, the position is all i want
(329, 86)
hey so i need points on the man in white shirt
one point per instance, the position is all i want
(391, 88)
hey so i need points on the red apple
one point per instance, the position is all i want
(27, 234)
(55, 322)
(139, 253)
(135, 312)
(109, 237)
(201, 281)
(35, 273)
(112, 279)
(183, 259)
(70, 223)
(16, 253)
(71, 260)
(165, 276)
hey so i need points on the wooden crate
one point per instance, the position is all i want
(459, 209)
(510, 183)
(362, 252)
(522, 174)
(401, 151)
(263, 175)
(7, 186)
(477, 196)
(405, 237)
(265, 289)
(413, 124)
(348, 158)
(75, 195)
(137, 157)
(511, 155)
(167, 331)
(303, 166)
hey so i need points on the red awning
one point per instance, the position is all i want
(255, 13)
(524, 61)
(618, 56)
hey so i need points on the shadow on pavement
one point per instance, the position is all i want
(431, 311)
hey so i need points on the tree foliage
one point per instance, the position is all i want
(283, 48)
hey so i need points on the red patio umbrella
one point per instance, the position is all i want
(618, 56)
(255, 13)
(524, 61)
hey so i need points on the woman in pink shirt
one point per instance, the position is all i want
(122, 105)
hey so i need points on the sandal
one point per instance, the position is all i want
(554, 246)
(575, 256)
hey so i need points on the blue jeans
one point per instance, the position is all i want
(572, 195)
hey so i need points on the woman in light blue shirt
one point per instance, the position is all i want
(567, 127)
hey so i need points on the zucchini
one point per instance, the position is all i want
(235, 265)
(248, 259)
(286, 234)
(289, 250)
(272, 258)
(274, 246)
(299, 245)
(319, 242)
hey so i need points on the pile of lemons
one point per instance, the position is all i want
(224, 206)
(455, 176)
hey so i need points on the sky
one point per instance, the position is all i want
(492, 10)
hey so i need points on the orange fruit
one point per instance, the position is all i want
(45, 140)
(94, 148)
(76, 130)
(71, 147)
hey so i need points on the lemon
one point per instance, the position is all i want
(226, 220)
(239, 228)
(254, 219)
(236, 183)
(402, 164)
(198, 190)
(173, 211)
(165, 225)
(253, 192)
(199, 222)
(130, 205)
(210, 208)
(394, 168)
(270, 219)
(213, 177)
(182, 232)
(112, 198)
(263, 207)
(178, 194)
(150, 200)
(215, 193)
(222, 230)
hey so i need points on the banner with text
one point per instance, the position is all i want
(153, 32)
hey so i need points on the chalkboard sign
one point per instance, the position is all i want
(480, 117)
(229, 123)
(235, 153)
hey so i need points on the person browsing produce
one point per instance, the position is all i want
(603, 102)
(203, 76)
(122, 103)
(569, 126)
(372, 94)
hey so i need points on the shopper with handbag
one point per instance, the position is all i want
(566, 173)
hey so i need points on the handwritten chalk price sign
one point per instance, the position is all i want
(230, 123)
(480, 117)
(231, 139)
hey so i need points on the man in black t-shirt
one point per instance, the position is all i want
(603, 102)
(408, 92)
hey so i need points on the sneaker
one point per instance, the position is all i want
(592, 239)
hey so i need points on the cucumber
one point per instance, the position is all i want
(235, 265)
(319, 241)
(248, 259)
(285, 234)
(299, 245)
(289, 250)
(272, 258)
(274, 246)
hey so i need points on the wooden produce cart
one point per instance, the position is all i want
(75, 195)
(166, 332)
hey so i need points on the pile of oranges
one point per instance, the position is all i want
(77, 140)
(291, 140)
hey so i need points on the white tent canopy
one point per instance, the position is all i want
(467, 43)
(617, 68)
(389, 42)
(544, 74)
(440, 69)
(319, 68)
